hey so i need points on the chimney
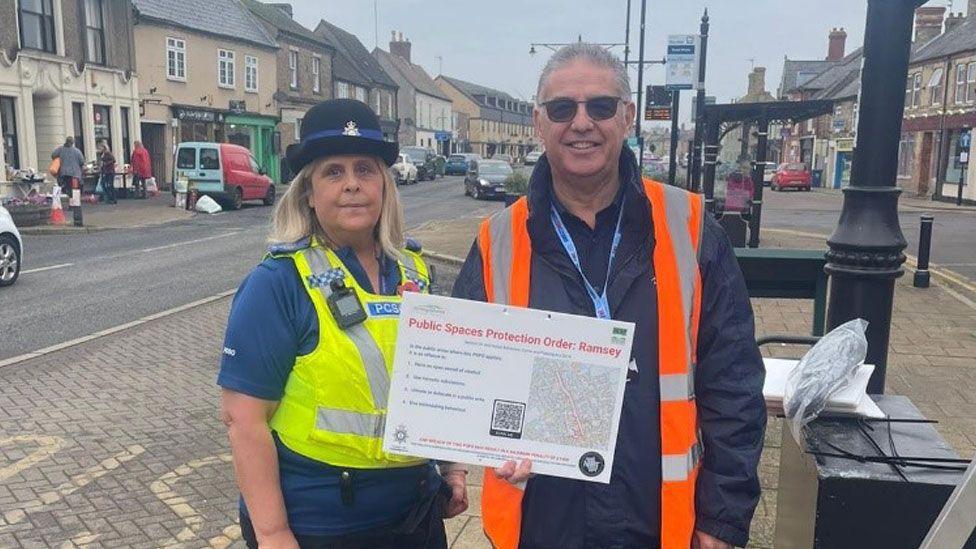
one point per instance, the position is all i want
(953, 21)
(837, 42)
(285, 7)
(400, 47)
(928, 23)
(757, 82)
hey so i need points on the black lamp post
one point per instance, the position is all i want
(694, 182)
(865, 255)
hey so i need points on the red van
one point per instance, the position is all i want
(226, 172)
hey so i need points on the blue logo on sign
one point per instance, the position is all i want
(384, 308)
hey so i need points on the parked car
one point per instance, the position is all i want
(486, 179)
(11, 249)
(504, 158)
(771, 169)
(226, 172)
(532, 158)
(423, 159)
(457, 164)
(793, 175)
(404, 171)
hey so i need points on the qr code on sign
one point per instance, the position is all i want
(506, 419)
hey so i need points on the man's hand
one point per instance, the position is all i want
(515, 473)
(701, 540)
(457, 480)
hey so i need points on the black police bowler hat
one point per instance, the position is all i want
(340, 126)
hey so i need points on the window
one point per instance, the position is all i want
(935, 88)
(316, 80)
(186, 159)
(78, 117)
(225, 68)
(361, 94)
(37, 25)
(342, 90)
(906, 155)
(209, 159)
(298, 129)
(293, 69)
(376, 102)
(250, 73)
(913, 90)
(94, 32)
(389, 105)
(960, 83)
(126, 144)
(8, 132)
(175, 59)
(102, 115)
(971, 79)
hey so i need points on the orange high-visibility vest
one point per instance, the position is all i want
(506, 253)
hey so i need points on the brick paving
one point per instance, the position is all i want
(117, 442)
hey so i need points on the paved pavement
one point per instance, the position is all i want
(116, 441)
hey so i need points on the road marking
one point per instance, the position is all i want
(49, 268)
(957, 264)
(48, 447)
(176, 244)
(164, 489)
(76, 483)
(113, 330)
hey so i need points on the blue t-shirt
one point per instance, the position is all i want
(272, 321)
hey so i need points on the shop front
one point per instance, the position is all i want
(258, 134)
(843, 158)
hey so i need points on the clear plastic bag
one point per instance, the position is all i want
(826, 368)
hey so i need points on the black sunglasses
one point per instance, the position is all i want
(597, 108)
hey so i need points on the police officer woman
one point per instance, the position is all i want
(308, 354)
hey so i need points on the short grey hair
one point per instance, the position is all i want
(592, 53)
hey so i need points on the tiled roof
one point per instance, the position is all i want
(844, 88)
(792, 69)
(281, 21)
(353, 62)
(415, 75)
(235, 20)
(472, 90)
(489, 112)
(960, 39)
(836, 72)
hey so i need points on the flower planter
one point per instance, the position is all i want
(30, 215)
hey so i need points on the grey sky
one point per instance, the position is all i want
(488, 43)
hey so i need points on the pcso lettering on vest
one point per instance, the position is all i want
(510, 337)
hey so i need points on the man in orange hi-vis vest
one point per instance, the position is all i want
(594, 238)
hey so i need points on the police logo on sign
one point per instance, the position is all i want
(592, 464)
(383, 308)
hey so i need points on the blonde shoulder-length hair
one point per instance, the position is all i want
(294, 219)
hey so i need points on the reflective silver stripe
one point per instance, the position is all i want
(676, 467)
(500, 229)
(373, 361)
(677, 386)
(353, 423)
(678, 214)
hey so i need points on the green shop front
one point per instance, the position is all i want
(259, 134)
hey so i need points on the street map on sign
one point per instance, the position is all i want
(484, 384)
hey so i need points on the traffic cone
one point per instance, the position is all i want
(57, 214)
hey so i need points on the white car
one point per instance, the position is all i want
(532, 158)
(404, 170)
(11, 248)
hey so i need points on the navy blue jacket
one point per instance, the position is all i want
(568, 514)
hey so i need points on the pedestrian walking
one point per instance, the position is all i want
(141, 169)
(307, 356)
(593, 238)
(71, 164)
(107, 172)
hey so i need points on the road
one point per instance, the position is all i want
(80, 284)
(75, 285)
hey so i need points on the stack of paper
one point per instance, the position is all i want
(850, 400)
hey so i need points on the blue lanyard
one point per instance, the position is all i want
(600, 303)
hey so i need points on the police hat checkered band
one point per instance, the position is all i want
(318, 280)
(375, 135)
(421, 283)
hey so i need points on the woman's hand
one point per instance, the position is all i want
(515, 473)
(282, 539)
(457, 480)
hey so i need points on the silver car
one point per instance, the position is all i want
(11, 249)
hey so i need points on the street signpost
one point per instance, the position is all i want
(682, 61)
